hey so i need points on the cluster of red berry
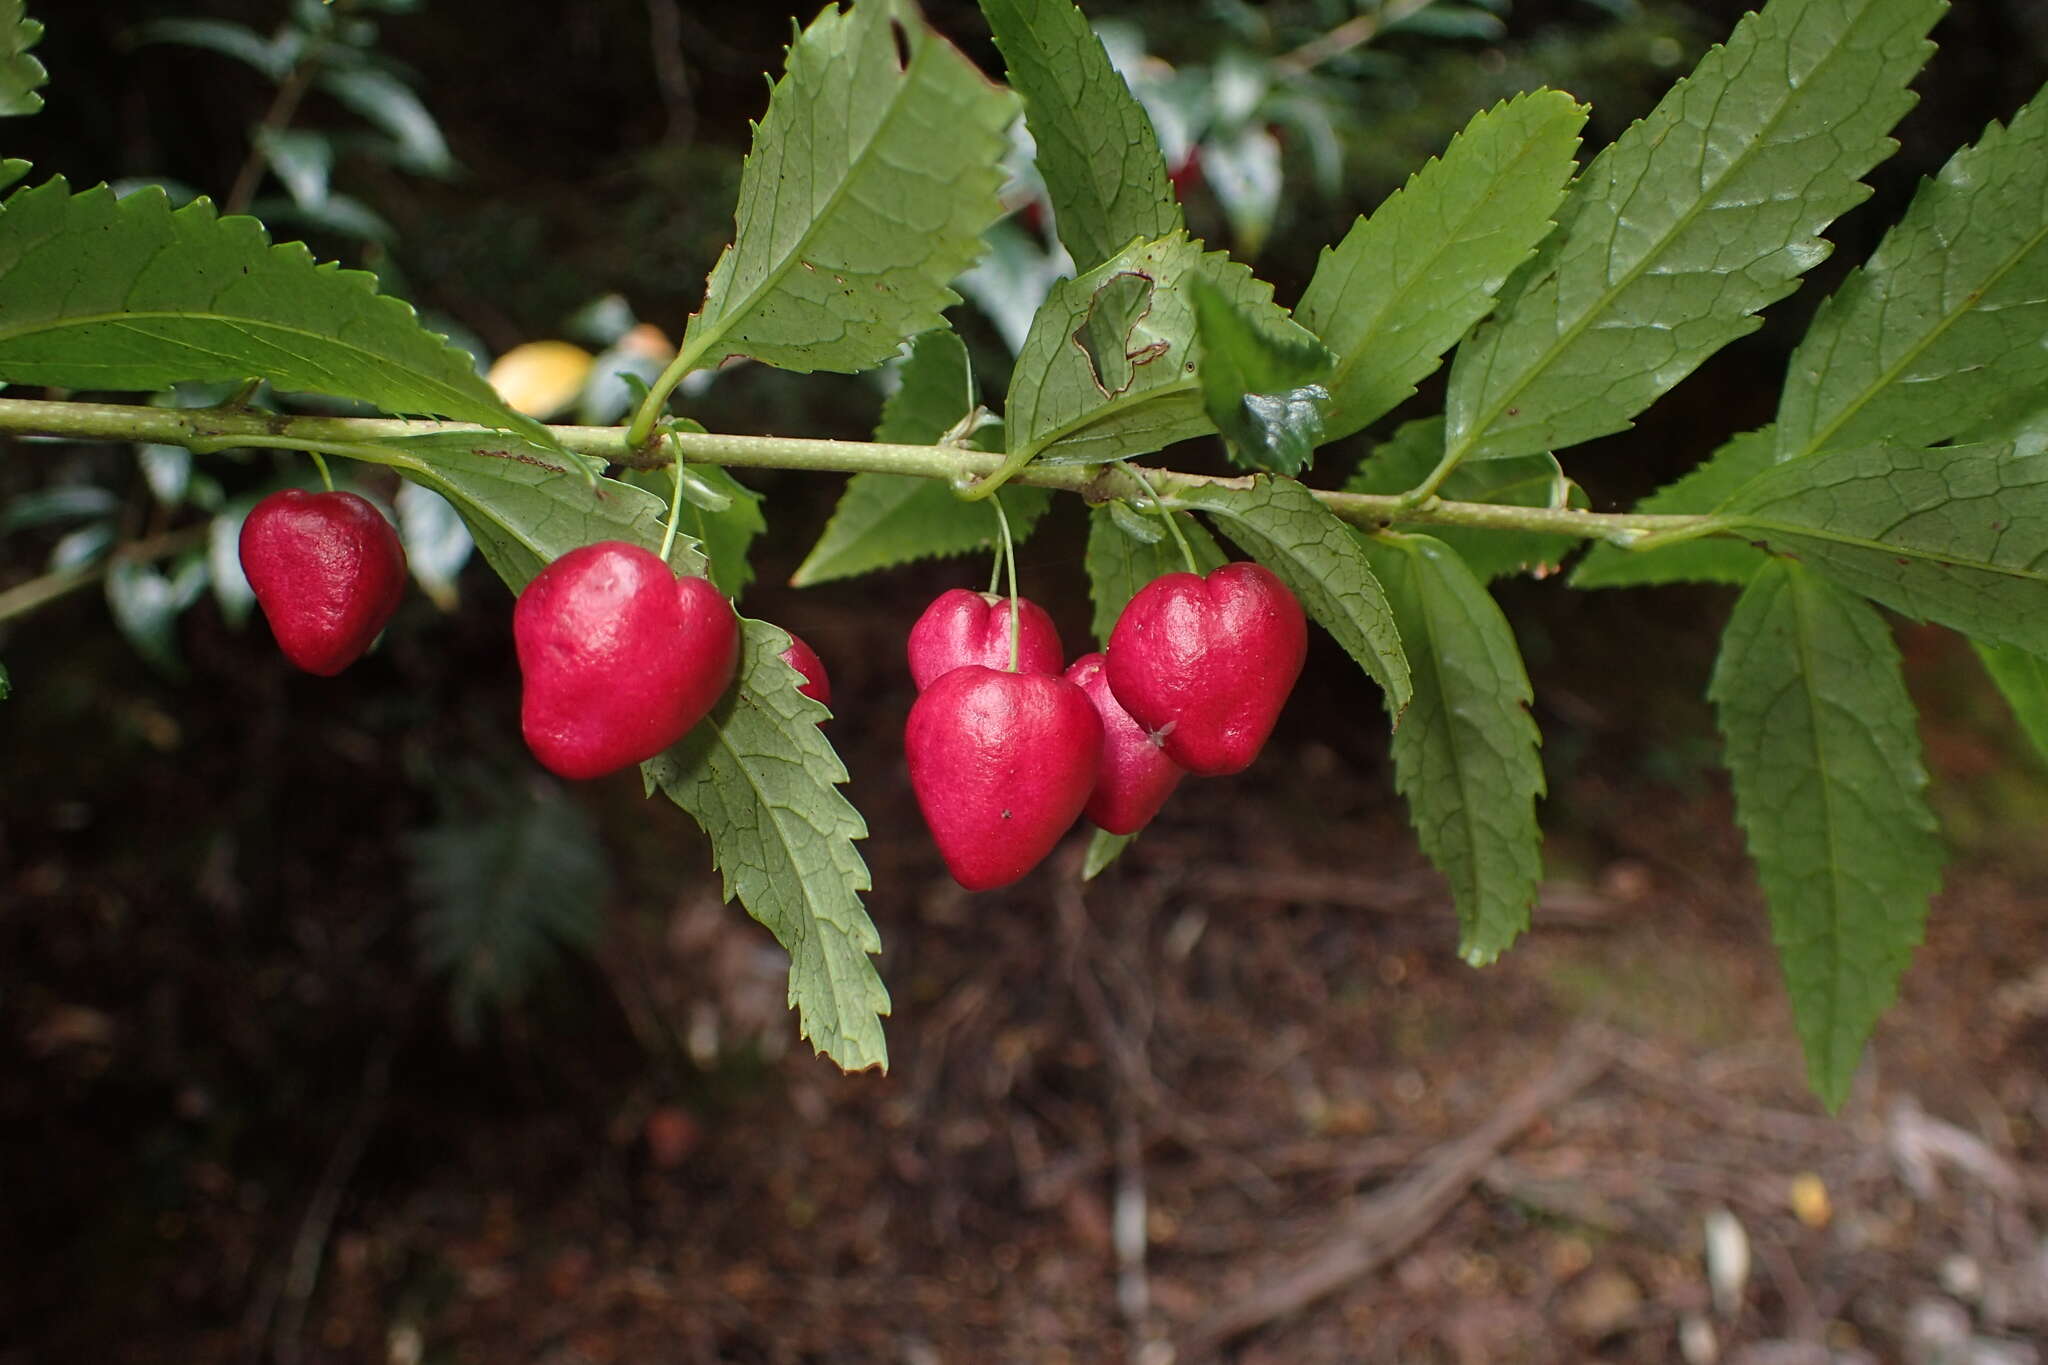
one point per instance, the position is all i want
(619, 657)
(1004, 755)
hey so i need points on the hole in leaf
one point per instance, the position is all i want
(902, 37)
(1108, 335)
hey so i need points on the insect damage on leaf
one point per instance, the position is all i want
(1107, 334)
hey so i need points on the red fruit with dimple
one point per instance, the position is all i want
(618, 657)
(817, 685)
(1206, 664)
(328, 571)
(962, 627)
(1135, 776)
(1002, 764)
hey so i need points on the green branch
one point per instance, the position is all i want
(208, 429)
(23, 598)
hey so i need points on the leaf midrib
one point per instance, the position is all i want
(1418, 278)
(1461, 778)
(1570, 335)
(809, 933)
(1799, 529)
(1802, 613)
(369, 358)
(856, 168)
(1889, 376)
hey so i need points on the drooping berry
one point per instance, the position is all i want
(618, 657)
(962, 627)
(1206, 664)
(1135, 776)
(817, 684)
(1002, 764)
(328, 571)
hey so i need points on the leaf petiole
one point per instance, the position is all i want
(1187, 552)
(1009, 554)
(675, 502)
(649, 412)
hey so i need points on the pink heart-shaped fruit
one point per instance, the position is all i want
(816, 684)
(962, 627)
(1135, 776)
(1002, 763)
(328, 571)
(1206, 664)
(618, 657)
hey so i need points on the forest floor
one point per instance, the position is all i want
(1236, 1099)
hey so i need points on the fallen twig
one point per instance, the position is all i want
(1557, 903)
(278, 1319)
(1395, 1218)
(1132, 1081)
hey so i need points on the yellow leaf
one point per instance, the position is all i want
(1809, 1199)
(540, 378)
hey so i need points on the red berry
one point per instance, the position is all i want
(1136, 776)
(618, 657)
(962, 627)
(1206, 663)
(327, 570)
(801, 657)
(1002, 763)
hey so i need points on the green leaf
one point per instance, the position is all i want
(725, 534)
(1405, 459)
(1109, 369)
(527, 506)
(1243, 170)
(1136, 525)
(1945, 321)
(505, 883)
(764, 783)
(146, 603)
(1261, 389)
(937, 391)
(1097, 151)
(238, 41)
(1104, 848)
(1829, 789)
(6, 684)
(1465, 751)
(391, 105)
(20, 74)
(1282, 525)
(1957, 535)
(866, 193)
(302, 161)
(1405, 284)
(1119, 563)
(1697, 217)
(105, 293)
(719, 512)
(888, 519)
(1709, 559)
(2023, 679)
